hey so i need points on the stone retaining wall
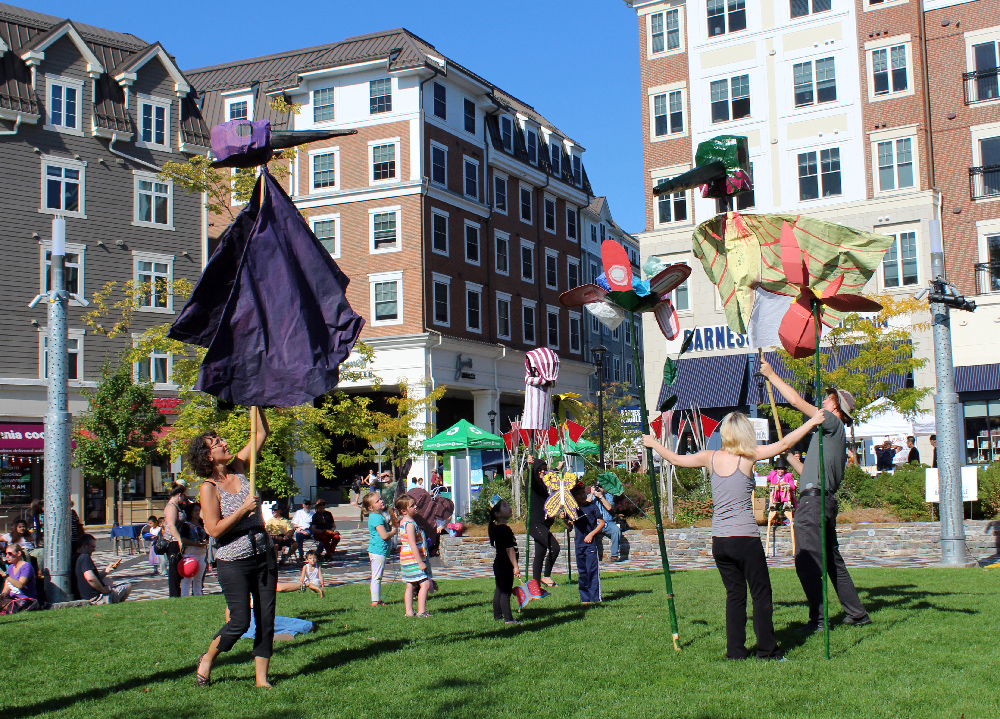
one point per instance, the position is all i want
(857, 541)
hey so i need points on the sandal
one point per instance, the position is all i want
(425, 614)
(549, 583)
(199, 679)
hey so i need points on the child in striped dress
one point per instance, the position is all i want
(412, 564)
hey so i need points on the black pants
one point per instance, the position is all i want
(546, 551)
(808, 560)
(742, 563)
(174, 557)
(241, 579)
(503, 573)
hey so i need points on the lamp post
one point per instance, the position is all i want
(492, 414)
(599, 353)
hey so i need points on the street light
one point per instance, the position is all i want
(492, 414)
(599, 353)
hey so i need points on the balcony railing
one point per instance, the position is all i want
(984, 181)
(982, 85)
(987, 278)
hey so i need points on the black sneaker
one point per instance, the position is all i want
(809, 627)
(857, 621)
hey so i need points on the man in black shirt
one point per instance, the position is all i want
(933, 439)
(884, 454)
(914, 455)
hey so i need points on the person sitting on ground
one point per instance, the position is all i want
(324, 530)
(282, 534)
(301, 521)
(311, 577)
(605, 502)
(20, 535)
(92, 582)
(913, 456)
(19, 591)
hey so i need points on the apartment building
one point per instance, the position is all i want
(87, 117)
(456, 210)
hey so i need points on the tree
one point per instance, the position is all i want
(619, 436)
(116, 434)
(885, 352)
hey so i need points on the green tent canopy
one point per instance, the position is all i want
(462, 435)
(584, 446)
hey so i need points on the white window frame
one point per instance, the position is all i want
(153, 102)
(335, 218)
(81, 166)
(546, 199)
(500, 235)
(237, 97)
(730, 99)
(844, 159)
(444, 149)
(573, 262)
(142, 176)
(572, 212)
(666, 51)
(887, 43)
(550, 311)
(978, 37)
(380, 277)
(156, 353)
(667, 90)
(985, 229)
(64, 82)
(313, 154)
(686, 284)
(533, 306)
(398, 210)
(71, 249)
(532, 132)
(474, 288)
(398, 168)
(555, 160)
(501, 177)
(466, 226)
(531, 204)
(447, 231)
(71, 334)
(575, 317)
(629, 373)
(439, 279)
(892, 135)
(529, 245)
(504, 297)
(466, 161)
(814, 83)
(869, 6)
(895, 232)
(390, 108)
(312, 97)
(618, 369)
(509, 121)
(553, 257)
(138, 257)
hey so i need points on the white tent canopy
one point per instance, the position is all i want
(887, 420)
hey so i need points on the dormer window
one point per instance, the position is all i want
(577, 170)
(154, 123)
(64, 100)
(506, 133)
(239, 106)
(238, 110)
(531, 138)
(556, 153)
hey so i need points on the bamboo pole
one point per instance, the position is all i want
(654, 489)
(253, 450)
(770, 394)
(822, 491)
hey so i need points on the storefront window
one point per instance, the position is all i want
(95, 510)
(982, 431)
(163, 479)
(135, 486)
(15, 480)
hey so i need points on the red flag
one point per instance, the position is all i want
(553, 436)
(574, 430)
(508, 439)
(708, 426)
(657, 426)
(525, 439)
(680, 430)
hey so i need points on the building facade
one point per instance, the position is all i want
(87, 117)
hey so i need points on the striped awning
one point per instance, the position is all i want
(977, 378)
(708, 382)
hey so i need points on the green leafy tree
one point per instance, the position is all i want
(116, 435)
(617, 434)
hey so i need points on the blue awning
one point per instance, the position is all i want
(977, 378)
(708, 382)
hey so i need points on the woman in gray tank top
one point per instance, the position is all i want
(736, 544)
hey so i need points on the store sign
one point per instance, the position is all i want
(761, 429)
(719, 337)
(631, 417)
(22, 438)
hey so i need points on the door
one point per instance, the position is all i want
(95, 510)
(985, 56)
(989, 160)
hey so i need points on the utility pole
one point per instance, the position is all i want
(942, 297)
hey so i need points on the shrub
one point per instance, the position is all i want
(989, 491)
(636, 498)
(479, 509)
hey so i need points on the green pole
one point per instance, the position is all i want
(527, 522)
(822, 490)
(653, 485)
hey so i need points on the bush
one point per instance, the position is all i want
(901, 492)
(689, 511)
(479, 509)
(989, 491)
(635, 500)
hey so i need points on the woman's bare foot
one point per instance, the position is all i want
(265, 685)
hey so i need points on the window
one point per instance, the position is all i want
(572, 273)
(473, 307)
(531, 140)
(551, 270)
(740, 106)
(800, 8)
(439, 232)
(73, 269)
(571, 223)
(986, 180)
(380, 96)
(439, 164)
(472, 243)
(239, 109)
(64, 98)
(526, 203)
(440, 101)
(154, 368)
(671, 208)
(325, 170)
(593, 234)
(471, 173)
(154, 123)
(152, 201)
(552, 325)
(556, 152)
(442, 299)
(506, 133)
(386, 302)
(825, 175)
(384, 162)
(668, 113)
(575, 330)
(470, 116)
(74, 352)
(895, 164)
(681, 297)
(629, 378)
(550, 214)
(628, 333)
(327, 231)
(746, 200)
(603, 233)
(899, 266)
(577, 170)
(528, 321)
(500, 194)
(665, 30)
(323, 105)
(527, 261)
(503, 315)
(384, 236)
(63, 186)
(825, 89)
(502, 243)
(889, 73)
(723, 13)
(618, 369)
(985, 76)
(154, 273)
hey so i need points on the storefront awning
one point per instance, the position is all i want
(977, 378)
(708, 382)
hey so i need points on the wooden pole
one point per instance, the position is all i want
(770, 394)
(253, 450)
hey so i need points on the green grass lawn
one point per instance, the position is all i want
(931, 652)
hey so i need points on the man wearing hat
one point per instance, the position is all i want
(839, 406)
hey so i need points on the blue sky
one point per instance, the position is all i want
(575, 61)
